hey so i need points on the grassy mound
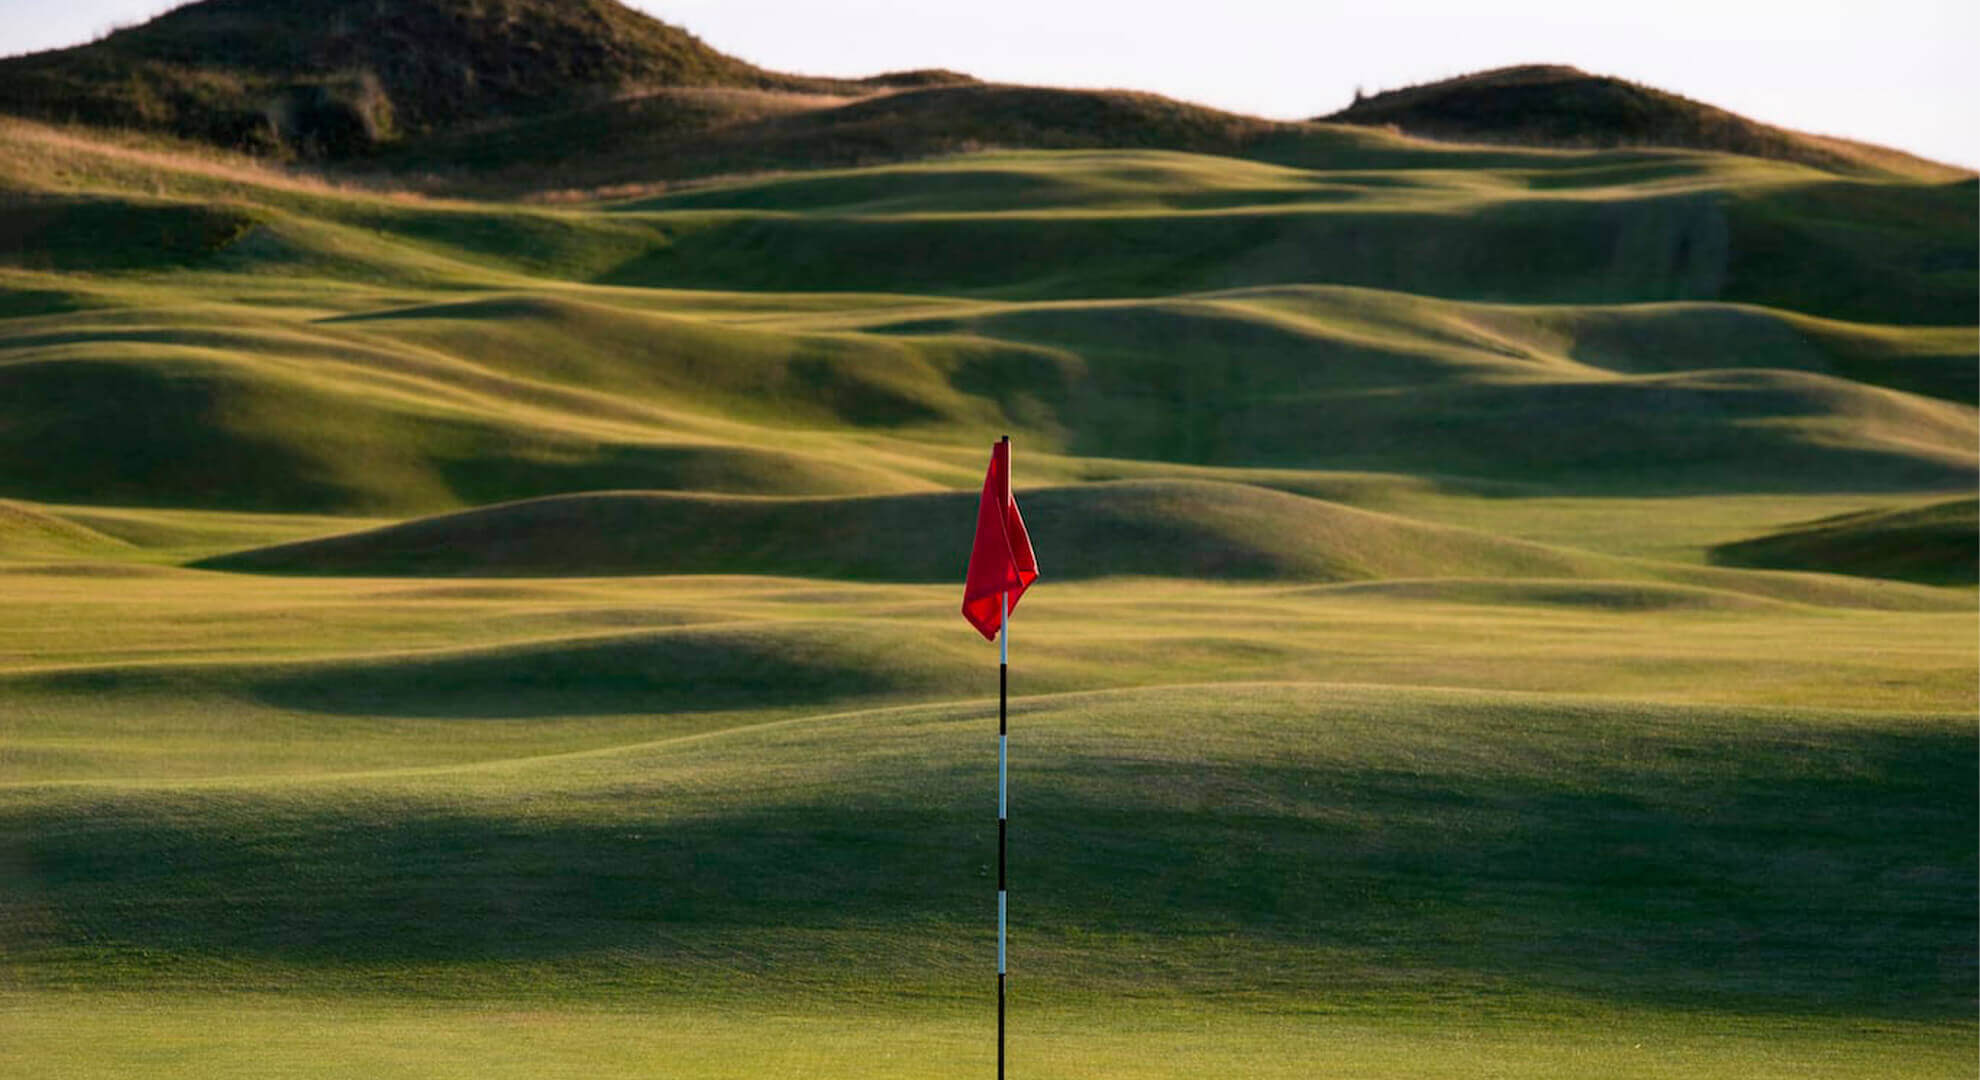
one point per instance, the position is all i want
(516, 395)
(152, 423)
(1001, 182)
(1351, 379)
(1370, 172)
(1940, 362)
(802, 380)
(1633, 246)
(1160, 528)
(665, 672)
(1700, 431)
(1053, 226)
(675, 136)
(1656, 248)
(1937, 544)
(30, 533)
(1544, 105)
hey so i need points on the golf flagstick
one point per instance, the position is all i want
(1003, 815)
(1001, 568)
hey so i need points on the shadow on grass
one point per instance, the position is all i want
(1820, 873)
(651, 673)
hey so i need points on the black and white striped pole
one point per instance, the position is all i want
(1001, 567)
(1003, 808)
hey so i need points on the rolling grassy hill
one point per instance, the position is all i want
(476, 353)
(652, 141)
(1555, 105)
(1506, 608)
(1178, 529)
(1183, 529)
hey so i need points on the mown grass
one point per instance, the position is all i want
(248, 1036)
(206, 674)
(1284, 856)
(1418, 740)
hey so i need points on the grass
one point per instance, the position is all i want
(471, 354)
(232, 1037)
(209, 674)
(1933, 544)
(326, 79)
(1605, 863)
(597, 704)
(1183, 529)
(1540, 105)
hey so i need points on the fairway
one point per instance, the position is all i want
(1505, 612)
(603, 849)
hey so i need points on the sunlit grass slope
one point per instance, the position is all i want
(241, 1036)
(30, 533)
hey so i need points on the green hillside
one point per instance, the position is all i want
(483, 487)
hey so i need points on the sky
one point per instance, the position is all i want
(1903, 73)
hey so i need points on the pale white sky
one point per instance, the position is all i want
(1904, 73)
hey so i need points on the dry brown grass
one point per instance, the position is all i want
(1562, 107)
(67, 156)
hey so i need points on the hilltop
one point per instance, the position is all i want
(340, 77)
(1559, 106)
(487, 96)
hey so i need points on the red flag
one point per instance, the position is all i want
(1000, 561)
